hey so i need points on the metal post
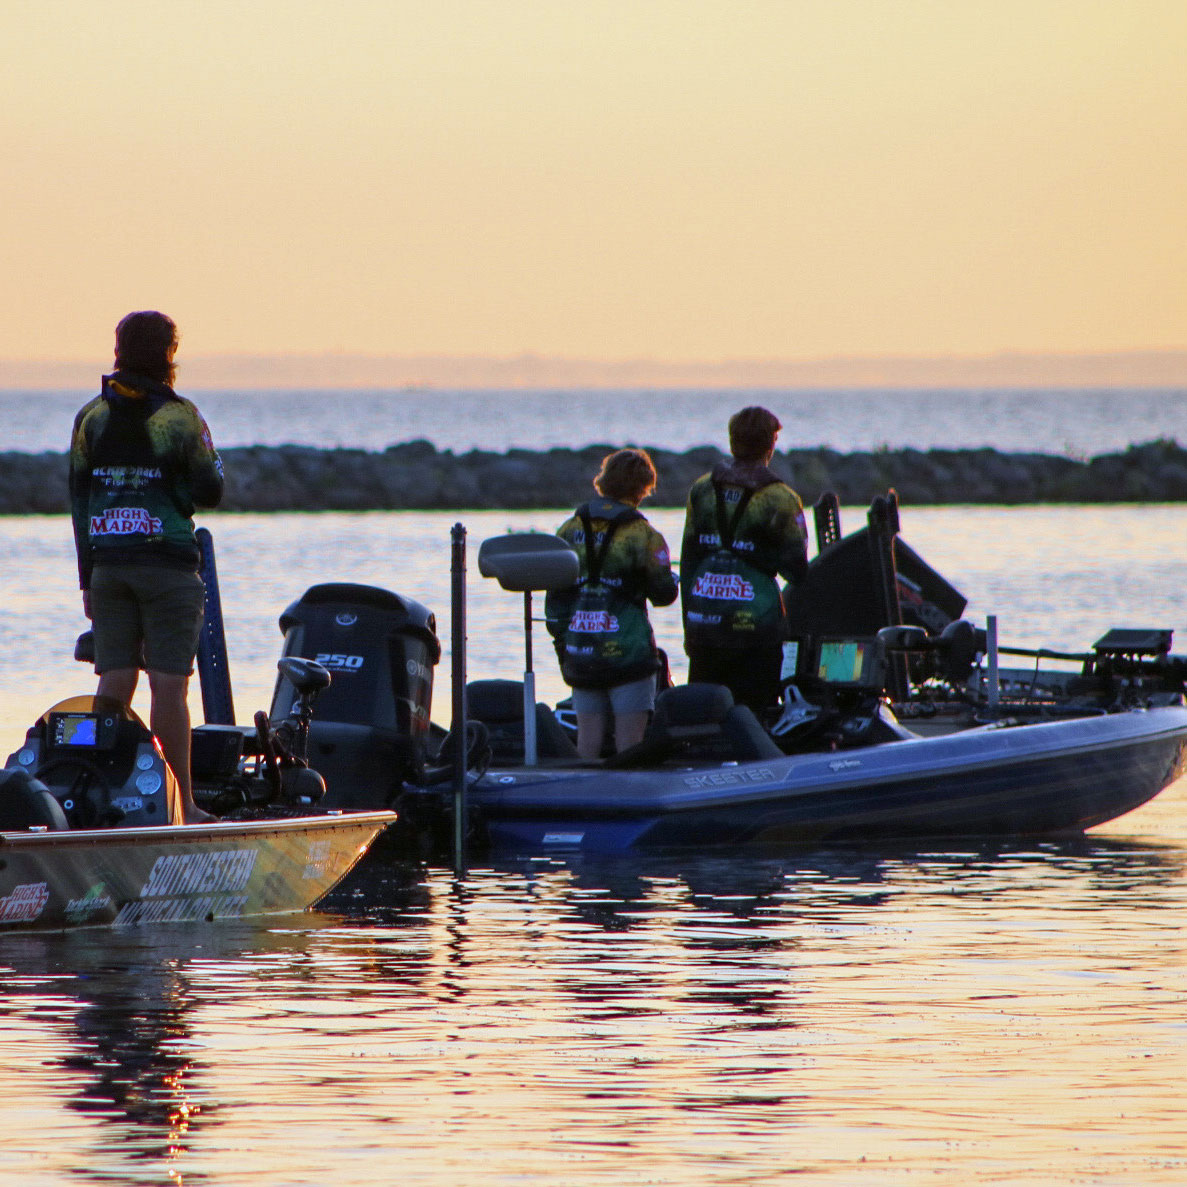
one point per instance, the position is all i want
(459, 730)
(214, 671)
(993, 691)
(529, 686)
(883, 527)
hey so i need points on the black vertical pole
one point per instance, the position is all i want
(458, 729)
(883, 528)
(214, 671)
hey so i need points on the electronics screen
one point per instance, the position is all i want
(850, 663)
(75, 729)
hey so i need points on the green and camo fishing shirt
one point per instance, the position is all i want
(637, 562)
(770, 537)
(600, 625)
(141, 461)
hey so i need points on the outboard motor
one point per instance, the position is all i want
(371, 729)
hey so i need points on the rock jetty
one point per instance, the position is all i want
(417, 476)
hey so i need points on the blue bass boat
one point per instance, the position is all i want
(899, 723)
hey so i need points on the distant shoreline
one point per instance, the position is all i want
(416, 476)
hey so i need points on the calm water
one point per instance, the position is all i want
(964, 1016)
(1077, 423)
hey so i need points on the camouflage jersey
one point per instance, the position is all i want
(141, 460)
(769, 538)
(635, 568)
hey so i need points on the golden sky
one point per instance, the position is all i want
(674, 179)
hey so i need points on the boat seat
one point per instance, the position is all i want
(699, 721)
(498, 704)
(26, 803)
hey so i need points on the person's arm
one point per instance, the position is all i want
(80, 486)
(790, 529)
(659, 580)
(203, 466)
(692, 552)
(558, 603)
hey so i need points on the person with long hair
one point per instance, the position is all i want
(141, 461)
(604, 638)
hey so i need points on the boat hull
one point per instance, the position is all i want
(123, 877)
(1022, 781)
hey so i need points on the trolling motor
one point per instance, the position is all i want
(284, 750)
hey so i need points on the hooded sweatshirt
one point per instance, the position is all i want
(772, 534)
(141, 461)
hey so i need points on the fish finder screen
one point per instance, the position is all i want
(847, 662)
(75, 729)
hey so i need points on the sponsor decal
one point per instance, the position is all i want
(25, 903)
(346, 618)
(562, 838)
(222, 871)
(726, 587)
(844, 764)
(125, 521)
(184, 887)
(127, 475)
(593, 622)
(417, 670)
(94, 902)
(181, 910)
(317, 864)
(730, 778)
(704, 619)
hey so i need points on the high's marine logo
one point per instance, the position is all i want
(25, 903)
(593, 622)
(725, 587)
(125, 521)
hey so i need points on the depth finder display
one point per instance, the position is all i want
(76, 729)
(842, 662)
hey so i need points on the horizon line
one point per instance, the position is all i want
(343, 369)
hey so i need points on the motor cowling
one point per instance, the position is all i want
(370, 729)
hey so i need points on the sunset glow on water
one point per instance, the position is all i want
(978, 1015)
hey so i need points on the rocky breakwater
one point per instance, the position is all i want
(417, 476)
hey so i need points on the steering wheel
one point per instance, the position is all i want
(89, 788)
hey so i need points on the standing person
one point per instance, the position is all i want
(141, 460)
(743, 527)
(603, 635)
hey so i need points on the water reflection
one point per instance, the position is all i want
(544, 1021)
(621, 894)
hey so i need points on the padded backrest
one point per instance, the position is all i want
(700, 721)
(26, 802)
(498, 704)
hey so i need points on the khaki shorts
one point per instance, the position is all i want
(144, 616)
(636, 697)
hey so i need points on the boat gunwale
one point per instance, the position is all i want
(533, 795)
(211, 831)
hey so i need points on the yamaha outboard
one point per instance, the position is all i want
(371, 731)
